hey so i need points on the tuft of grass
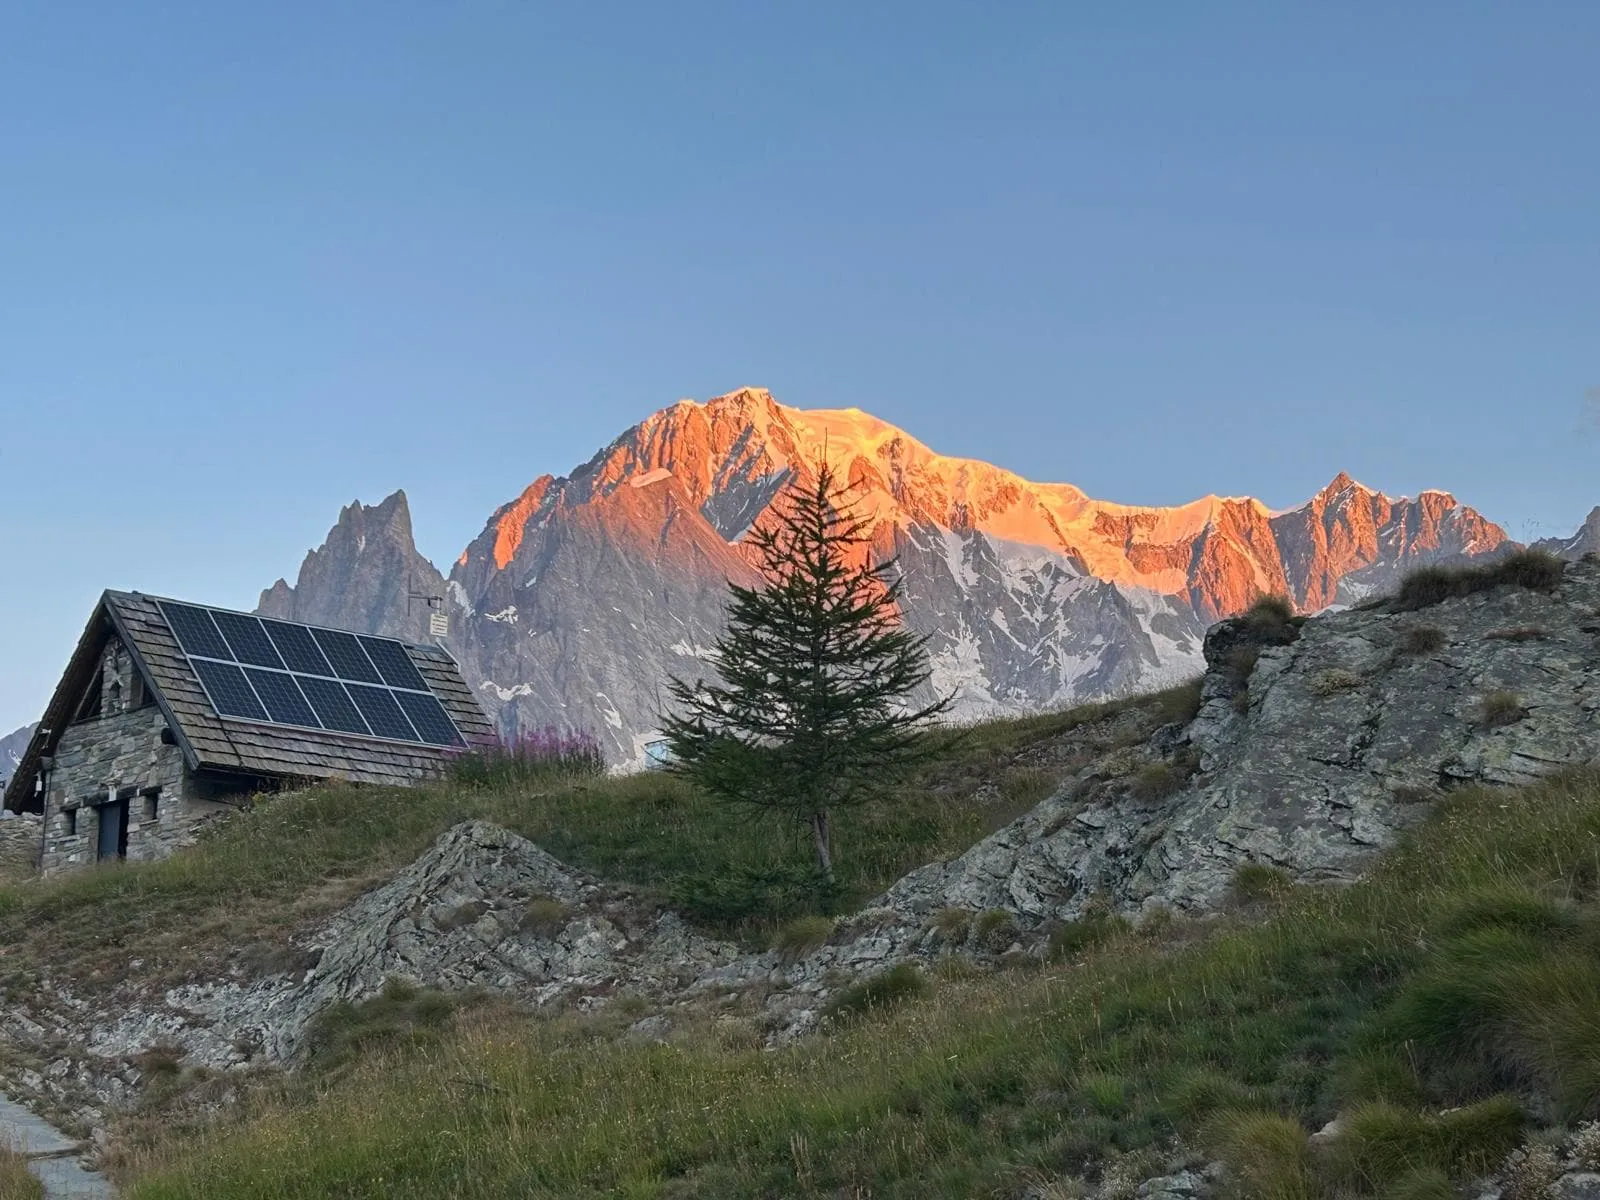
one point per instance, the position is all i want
(1535, 570)
(1271, 621)
(1239, 665)
(1500, 708)
(1157, 782)
(1419, 640)
(1271, 610)
(1333, 680)
(994, 930)
(1068, 939)
(400, 1016)
(1269, 1154)
(801, 936)
(879, 992)
(17, 1182)
(163, 1058)
(1025, 789)
(952, 923)
(1254, 881)
(1381, 1142)
(1521, 633)
(545, 916)
(1421, 1183)
(1178, 705)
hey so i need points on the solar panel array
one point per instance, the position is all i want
(281, 673)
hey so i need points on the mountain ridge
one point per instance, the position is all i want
(583, 593)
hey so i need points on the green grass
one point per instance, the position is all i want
(298, 856)
(1463, 971)
(16, 1181)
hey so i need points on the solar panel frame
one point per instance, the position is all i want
(390, 702)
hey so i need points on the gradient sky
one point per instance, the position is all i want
(257, 261)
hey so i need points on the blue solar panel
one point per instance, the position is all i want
(247, 640)
(195, 631)
(344, 651)
(230, 692)
(306, 677)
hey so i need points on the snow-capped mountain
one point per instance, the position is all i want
(581, 596)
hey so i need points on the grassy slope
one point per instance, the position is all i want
(296, 858)
(1465, 974)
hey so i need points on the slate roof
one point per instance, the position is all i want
(212, 743)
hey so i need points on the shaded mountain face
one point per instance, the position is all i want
(11, 748)
(1585, 541)
(363, 576)
(582, 596)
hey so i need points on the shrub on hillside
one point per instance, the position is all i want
(1071, 938)
(1259, 881)
(539, 754)
(1531, 569)
(1179, 705)
(761, 893)
(1271, 621)
(801, 936)
(1422, 639)
(1500, 708)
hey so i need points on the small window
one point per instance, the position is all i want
(151, 801)
(71, 818)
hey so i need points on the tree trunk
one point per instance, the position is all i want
(819, 834)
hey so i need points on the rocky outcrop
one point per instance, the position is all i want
(483, 908)
(1311, 760)
(583, 595)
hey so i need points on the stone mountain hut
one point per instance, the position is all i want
(170, 712)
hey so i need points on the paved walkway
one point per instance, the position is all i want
(52, 1156)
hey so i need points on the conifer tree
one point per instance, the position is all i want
(810, 714)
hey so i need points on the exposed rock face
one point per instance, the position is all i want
(482, 908)
(361, 576)
(582, 596)
(1342, 738)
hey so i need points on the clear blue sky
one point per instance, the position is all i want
(259, 260)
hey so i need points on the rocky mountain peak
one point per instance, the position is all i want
(585, 593)
(361, 575)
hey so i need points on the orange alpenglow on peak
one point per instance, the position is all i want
(514, 518)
